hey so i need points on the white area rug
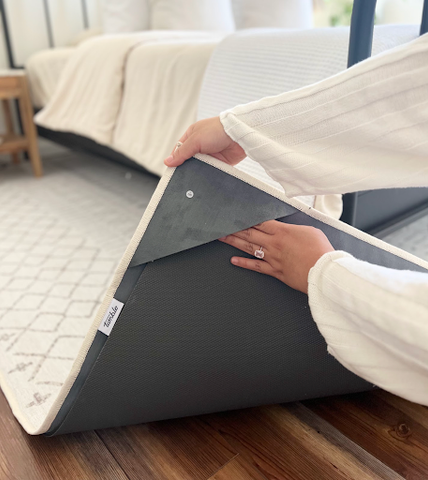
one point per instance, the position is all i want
(61, 238)
(413, 238)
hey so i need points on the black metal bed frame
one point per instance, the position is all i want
(360, 47)
(392, 212)
(49, 28)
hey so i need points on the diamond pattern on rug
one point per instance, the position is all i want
(61, 239)
(413, 238)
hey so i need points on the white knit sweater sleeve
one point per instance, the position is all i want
(364, 128)
(375, 321)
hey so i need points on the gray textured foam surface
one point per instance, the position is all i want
(358, 248)
(216, 209)
(198, 335)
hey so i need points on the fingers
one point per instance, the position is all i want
(186, 135)
(248, 240)
(255, 236)
(189, 148)
(241, 244)
(270, 227)
(181, 140)
(255, 265)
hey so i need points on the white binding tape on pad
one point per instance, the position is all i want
(110, 317)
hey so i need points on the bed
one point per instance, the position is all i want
(44, 70)
(195, 75)
(107, 82)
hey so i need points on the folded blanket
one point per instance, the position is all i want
(89, 94)
(44, 70)
(160, 98)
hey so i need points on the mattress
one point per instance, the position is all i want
(182, 332)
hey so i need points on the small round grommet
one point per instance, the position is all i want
(189, 194)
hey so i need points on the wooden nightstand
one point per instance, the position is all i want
(13, 84)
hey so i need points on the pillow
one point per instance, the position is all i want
(122, 16)
(192, 15)
(272, 13)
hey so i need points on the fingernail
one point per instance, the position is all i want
(168, 160)
(234, 261)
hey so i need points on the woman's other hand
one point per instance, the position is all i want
(206, 136)
(290, 251)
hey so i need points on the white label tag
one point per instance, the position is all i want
(110, 317)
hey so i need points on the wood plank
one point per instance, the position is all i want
(280, 445)
(9, 92)
(419, 413)
(183, 449)
(374, 467)
(9, 126)
(72, 457)
(8, 82)
(238, 469)
(27, 114)
(390, 434)
(12, 143)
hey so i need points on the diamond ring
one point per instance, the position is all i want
(259, 253)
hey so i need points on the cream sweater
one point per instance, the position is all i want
(364, 128)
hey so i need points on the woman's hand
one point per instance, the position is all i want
(290, 251)
(207, 136)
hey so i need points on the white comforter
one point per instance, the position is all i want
(134, 93)
(44, 70)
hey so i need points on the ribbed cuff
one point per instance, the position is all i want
(317, 271)
(245, 136)
(233, 128)
(316, 303)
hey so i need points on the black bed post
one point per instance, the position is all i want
(360, 48)
(7, 35)
(10, 59)
(85, 14)
(48, 23)
(361, 32)
(424, 23)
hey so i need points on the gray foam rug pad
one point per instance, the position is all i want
(180, 331)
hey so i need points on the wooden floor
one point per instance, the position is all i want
(365, 436)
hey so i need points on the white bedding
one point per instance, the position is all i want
(137, 93)
(132, 92)
(160, 98)
(44, 69)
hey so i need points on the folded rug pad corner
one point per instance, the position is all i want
(180, 331)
